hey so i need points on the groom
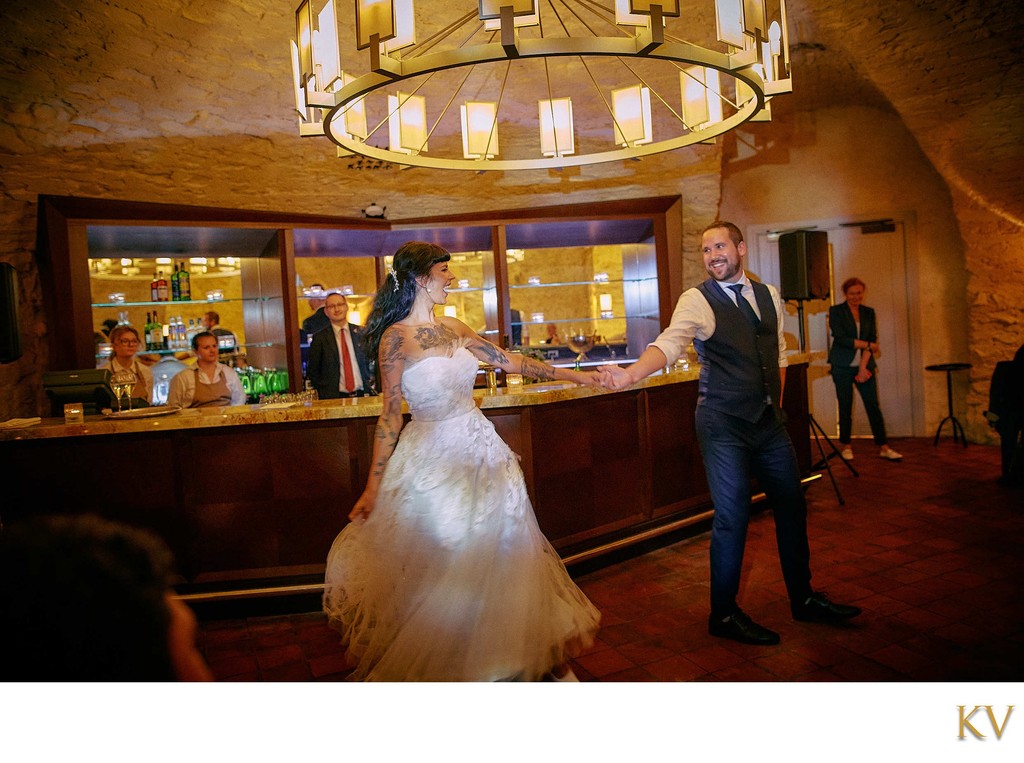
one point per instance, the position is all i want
(736, 327)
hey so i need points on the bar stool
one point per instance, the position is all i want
(949, 368)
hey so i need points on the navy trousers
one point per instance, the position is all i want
(734, 451)
(843, 378)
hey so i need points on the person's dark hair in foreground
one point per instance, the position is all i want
(86, 599)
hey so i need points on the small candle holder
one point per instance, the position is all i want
(74, 413)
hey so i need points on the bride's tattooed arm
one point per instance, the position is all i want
(391, 356)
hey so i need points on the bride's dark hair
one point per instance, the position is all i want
(398, 290)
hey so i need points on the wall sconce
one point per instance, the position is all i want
(463, 283)
(533, 280)
(600, 278)
(537, 317)
(346, 290)
(449, 311)
(356, 317)
(605, 302)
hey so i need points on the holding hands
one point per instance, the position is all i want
(614, 377)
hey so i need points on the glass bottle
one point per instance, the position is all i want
(175, 284)
(161, 287)
(184, 284)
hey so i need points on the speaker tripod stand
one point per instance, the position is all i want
(819, 434)
(816, 431)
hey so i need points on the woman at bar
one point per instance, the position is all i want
(443, 573)
(125, 343)
(852, 357)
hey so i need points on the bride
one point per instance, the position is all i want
(443, 573)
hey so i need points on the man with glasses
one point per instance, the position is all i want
(337, 365)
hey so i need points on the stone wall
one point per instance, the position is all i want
(189, 102)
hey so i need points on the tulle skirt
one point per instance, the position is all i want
(450, 578)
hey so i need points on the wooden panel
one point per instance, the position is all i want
(280, 498)
(677, 471)
(586, 455)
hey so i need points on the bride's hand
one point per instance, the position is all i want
(363, 508)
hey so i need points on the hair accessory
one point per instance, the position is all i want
(393, 274)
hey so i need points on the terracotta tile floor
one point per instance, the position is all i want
(932, 548)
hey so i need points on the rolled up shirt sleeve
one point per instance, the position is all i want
(692, 319)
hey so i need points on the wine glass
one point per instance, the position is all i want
(123, 382)
(581, 342)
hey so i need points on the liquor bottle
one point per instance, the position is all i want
(182, 341)
(154, 296)
(184, 284)
(165, 330)
(161, 287)
(175, 285)
(192, 331)
(156, 333)
(145, 330)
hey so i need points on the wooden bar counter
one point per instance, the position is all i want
(250, 498)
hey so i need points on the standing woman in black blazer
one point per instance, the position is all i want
(852, 356)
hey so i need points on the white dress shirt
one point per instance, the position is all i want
(183, 385)
(693, 318)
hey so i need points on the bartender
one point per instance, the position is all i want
(209, 383)
(124, 340)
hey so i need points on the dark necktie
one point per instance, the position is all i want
(744, 306)
(348, 377)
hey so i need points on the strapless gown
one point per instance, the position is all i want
(450, 578)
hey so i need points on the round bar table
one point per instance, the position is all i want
(949, 368)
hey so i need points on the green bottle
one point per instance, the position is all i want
(184, 283)
(175, 284)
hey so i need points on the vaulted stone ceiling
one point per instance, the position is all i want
(951, 69)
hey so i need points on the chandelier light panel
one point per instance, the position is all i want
(631, 107)
(381, 78)
(407, 123)
(375, 22)
(479, 130)
(556, 137)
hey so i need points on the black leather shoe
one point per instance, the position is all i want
(739, 627)
(818, 609)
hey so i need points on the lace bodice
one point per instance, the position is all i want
(440, 387)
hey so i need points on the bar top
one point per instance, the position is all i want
(319, 410)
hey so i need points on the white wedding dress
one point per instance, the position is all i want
(450, 578)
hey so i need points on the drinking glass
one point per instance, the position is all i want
(582, 342)
(123, 382)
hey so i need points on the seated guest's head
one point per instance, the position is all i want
(86, 599)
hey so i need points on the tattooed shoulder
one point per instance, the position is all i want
(435, 336)
(391, 350)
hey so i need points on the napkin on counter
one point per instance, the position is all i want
(17, 423)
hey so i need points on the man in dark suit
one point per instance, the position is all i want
(332, 373)
(736, 327)
(852, 357)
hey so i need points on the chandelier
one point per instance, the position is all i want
(534, 84)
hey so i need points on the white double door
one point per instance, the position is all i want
(878, 259)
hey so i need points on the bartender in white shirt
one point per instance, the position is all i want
(210, 382)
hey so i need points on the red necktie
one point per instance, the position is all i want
(346, 363)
